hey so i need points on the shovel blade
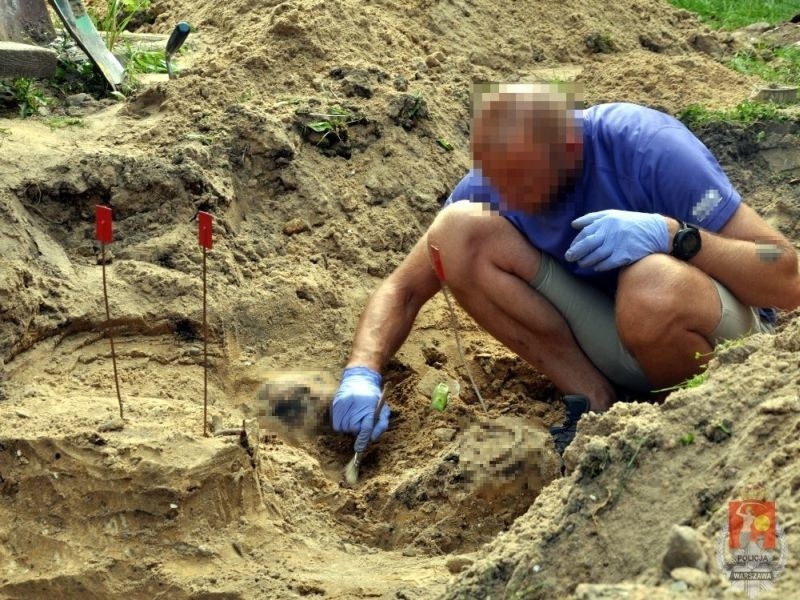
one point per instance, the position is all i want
(80, 26)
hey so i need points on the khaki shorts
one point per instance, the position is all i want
(590, 315)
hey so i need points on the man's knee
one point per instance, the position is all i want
(652, 297)
(459, 232)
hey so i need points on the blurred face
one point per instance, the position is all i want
(528, 175)
(531, 156)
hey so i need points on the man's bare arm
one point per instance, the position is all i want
(387, 319)
(755, 262)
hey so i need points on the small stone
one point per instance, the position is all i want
(107, 259)
(679, 587)
(78, 99)
(456, 564)
(400, 83)
(409, 552)
(431, 61)
(22, 414)
(115, 424)
(694, 578)
(446, 434)
(357, 82)
(294, 226)
(759, 27)
(684, 550)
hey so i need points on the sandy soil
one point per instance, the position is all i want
(455, 504)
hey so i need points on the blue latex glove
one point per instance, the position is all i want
(614, 238)
(353, 407)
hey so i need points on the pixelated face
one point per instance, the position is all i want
(526, 145)
(525, 174)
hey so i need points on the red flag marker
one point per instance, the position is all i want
(205, 239)
(437, 262)
(102, 223)
(204, 230)
(103, 232)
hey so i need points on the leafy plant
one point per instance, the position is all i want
(28, 97)
(334, 122)
(144, 61)
(687, 439)
(116, 16)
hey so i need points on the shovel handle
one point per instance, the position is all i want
(177, 37)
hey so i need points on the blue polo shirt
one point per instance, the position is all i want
(634, 158)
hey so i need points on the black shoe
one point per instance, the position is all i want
(575, 407)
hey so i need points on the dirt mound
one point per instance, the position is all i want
(635, 475)
(323, 136)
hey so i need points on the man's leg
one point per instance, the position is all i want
(667, 310)
(488, 265)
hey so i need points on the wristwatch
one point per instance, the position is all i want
(686, 243)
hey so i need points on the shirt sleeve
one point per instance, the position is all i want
(475, 188)
(680, 178)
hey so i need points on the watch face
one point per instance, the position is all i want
(687, 243)
(690, 243)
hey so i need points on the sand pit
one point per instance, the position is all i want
(453, 504)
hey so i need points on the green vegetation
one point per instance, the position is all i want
(61, 122)
(116, 16)
(334, 123)
(746, 113)
(445, 144)
(775, 65)
(687, 439)
(692, 382)
(26, 95)
(732, 14)
(144, 61)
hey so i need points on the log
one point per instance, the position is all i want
(23, 60)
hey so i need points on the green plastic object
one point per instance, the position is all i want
(441, 393)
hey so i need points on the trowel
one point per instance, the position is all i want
(351, 470)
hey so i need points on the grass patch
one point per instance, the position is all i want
(61, 122)
(733, 14)
(775, 65)
(746, 113)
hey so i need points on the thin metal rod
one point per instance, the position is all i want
(108, 329)
(460, 350)
(205, 351)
